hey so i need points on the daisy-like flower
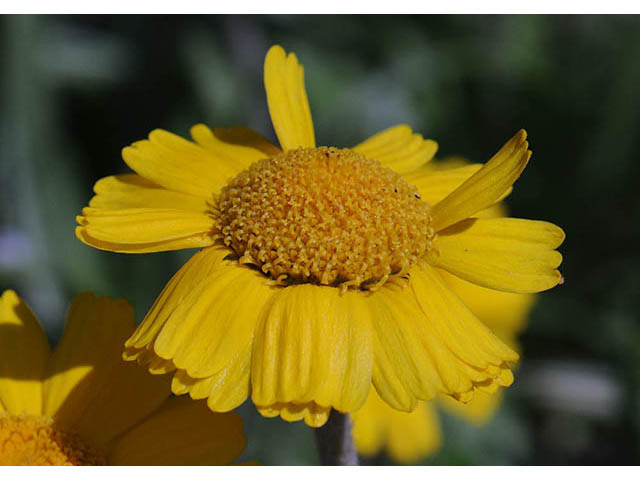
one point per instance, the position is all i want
(410, 437)
(317, 275)
(83, 405)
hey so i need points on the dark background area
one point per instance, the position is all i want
(75, 90)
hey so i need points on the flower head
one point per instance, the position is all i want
(339, 219)
(317, 279)
(83, 405)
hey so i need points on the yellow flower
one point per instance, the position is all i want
(83, 405)
(410, 437)
(407, 437)
(317, 279)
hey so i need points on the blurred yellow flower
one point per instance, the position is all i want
(317, 279)
(410, 437)
(83, 405)
(407, 437)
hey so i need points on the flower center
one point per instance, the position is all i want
(327, 216)
(33, 440)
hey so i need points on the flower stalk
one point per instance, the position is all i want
(334, 441)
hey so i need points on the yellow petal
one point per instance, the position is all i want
(414, 436)
(455, 325)
(403, 368)
(313, 414)
(313, 345)
(287, 99)
(238, 146)
(24, 351)
(507, 254)
(427, 342)
(89, 389)
(220, 354)
(434, 185)
(494, 211)
(143, 230)
(398, 148)
(194, 272)
(229, 387)
(129, 190)
(477, 356)
(479, 410)
(160, 366)
(408, 437)
(486, 187)
(182, 432)
(225, 390)
(215, 320)
(178, 164)
(371, 425)
(244, 136)
(500, 311)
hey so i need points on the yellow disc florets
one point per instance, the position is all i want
(324, 215)
(34, 440)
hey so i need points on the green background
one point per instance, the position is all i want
(75, 90)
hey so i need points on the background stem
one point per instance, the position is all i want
(334, 441)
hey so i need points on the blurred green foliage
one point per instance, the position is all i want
(76, 89)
